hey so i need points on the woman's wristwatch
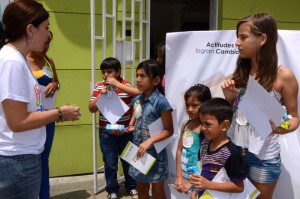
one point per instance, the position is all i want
(58, 86)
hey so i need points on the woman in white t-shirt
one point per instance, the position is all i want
(22, 116)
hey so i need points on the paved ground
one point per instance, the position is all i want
(80, 187)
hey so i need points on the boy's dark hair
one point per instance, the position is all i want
(200, 91)
(110, 63)
(217, 107)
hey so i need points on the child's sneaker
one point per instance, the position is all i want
(134, 193)
(112, 196)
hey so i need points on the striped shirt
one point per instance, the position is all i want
(226, 156)
(125, 119)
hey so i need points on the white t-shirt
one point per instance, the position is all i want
(17, 83)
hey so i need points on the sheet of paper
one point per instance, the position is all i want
(112, 108)
(249, 190)
(214, 83)
(49, 101)
(142, 164)
(259, 107)
(157, 126)
(175, 194)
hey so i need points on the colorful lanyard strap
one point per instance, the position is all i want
(237, 99)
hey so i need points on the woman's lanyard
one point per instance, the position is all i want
(237, 99)
(50, 67)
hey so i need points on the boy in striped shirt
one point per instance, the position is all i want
(217, 150)
(112, 143)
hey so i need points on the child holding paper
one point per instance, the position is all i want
(112, 143)
(190, 137)
(217, 150)
(148, 107)
(256, 40)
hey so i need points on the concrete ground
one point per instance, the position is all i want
(80, 187)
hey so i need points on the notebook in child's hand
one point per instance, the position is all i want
(143, 164)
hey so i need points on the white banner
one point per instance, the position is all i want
(3, 4)
(208, 56)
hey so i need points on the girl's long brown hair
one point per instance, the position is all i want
(266, 58)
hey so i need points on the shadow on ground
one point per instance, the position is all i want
(78, 194)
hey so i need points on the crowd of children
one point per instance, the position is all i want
(203, 144)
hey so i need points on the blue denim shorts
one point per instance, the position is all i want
(263, 171)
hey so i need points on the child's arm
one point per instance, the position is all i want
(167, 132)
(127, 89)
(130, 128)
(201, 182)
(179, 179)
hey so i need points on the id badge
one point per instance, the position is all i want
(188, 139)
(241, 119)
(137, 109)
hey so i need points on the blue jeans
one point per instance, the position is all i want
(111, 147)
(45, 185)
(20, 176)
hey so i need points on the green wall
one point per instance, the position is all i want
(286, 13)
(71, 50)
(72, 150)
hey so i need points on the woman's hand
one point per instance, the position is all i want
(51, 88)
(229, 90)
(69, 113)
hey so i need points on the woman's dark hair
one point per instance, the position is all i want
(18, 15)
(151, 68)
(199, 91)
(2, 35)
(267, 58)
